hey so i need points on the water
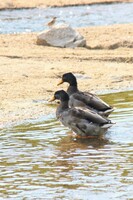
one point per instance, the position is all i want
(41, 160)
(32, 20)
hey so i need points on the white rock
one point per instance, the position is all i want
(61, 36)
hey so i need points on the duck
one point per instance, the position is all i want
(83, 122)
(88, 100)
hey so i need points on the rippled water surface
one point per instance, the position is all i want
(41, 160)
(28, 20)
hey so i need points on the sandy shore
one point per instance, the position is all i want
(30, 73)
(11, 4)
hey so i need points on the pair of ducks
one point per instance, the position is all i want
(84, 113)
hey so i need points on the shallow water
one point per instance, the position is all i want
(31, 20)
(41, 160)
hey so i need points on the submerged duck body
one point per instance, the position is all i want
(81, 121)
(84, 99)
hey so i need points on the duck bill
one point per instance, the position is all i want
(52, 99)
(61, 81)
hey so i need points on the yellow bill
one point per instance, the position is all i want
(52, 99)
(61, 81)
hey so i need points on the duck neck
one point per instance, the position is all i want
(62, 107)
(72, 88)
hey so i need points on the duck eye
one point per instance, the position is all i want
(56, 96)
(64, 78)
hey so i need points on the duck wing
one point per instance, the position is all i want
(92, 116)
(91, 100)
(78, 114)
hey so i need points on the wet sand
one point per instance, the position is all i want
(30, 72)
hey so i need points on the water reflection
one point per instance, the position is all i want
(42, 160)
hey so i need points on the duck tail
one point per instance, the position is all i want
(108, 112)
(106, 126)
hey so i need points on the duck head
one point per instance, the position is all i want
(69, 78)
(60, 95)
